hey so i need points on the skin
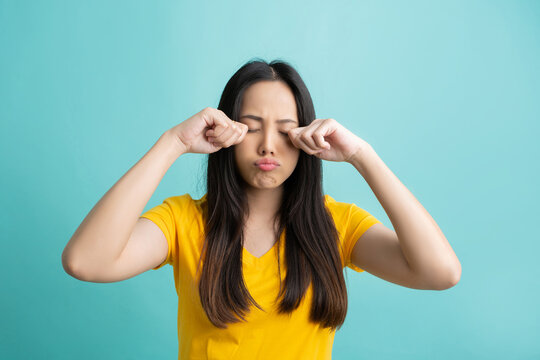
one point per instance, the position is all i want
(271, 101)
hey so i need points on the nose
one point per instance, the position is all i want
(268, 142)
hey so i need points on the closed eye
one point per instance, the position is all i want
(281, 132)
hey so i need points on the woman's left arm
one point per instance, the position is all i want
(428, 253)
(422, 242)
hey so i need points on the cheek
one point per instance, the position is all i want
(241, 148)
(290, 144)
(240, 155)
(294, 155)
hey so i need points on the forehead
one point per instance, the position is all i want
(269, 98)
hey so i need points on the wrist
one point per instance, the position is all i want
(174, 145)
(361, 153)
(362, 156)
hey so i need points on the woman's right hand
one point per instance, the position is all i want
(208, 131)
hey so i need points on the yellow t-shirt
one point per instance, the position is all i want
(265, 335)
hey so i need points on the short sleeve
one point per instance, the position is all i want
(163, 216)
(357, 222)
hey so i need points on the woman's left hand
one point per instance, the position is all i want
(327, 139)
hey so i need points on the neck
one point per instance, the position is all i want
(264, 204)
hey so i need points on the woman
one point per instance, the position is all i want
(258, 260)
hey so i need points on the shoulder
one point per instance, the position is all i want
(332, 203)
(185, 203)
(337, 208)
(199, 203)
(344, 213)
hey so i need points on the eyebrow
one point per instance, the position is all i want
(261, 119)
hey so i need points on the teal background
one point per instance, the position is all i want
(446, 93)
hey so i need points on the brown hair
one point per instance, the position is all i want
(311, 247)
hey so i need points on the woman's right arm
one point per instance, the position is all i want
(101, 237)
(113, 243)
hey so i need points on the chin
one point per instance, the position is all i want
(265, 184)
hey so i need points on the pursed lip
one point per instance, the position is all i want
(266, 161)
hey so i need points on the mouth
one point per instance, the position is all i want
(266, 163)
(266, 166)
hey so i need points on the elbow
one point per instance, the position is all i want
(69, 266)
(451, 280)
(456, 276)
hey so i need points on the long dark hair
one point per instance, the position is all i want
(311, 245)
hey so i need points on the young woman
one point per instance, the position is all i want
(258, 260)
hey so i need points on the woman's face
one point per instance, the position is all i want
(269, 111)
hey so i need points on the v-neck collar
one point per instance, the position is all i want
(268, 257)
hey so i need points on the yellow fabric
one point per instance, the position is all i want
(264, 335)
